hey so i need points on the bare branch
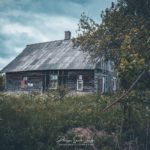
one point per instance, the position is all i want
(121, 98)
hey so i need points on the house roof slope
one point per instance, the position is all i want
(54, 55)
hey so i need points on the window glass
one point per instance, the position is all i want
(80, 83)
(53, 81)
(25, 78)
(80, 77)
(24, 82)
(30, 84)
(114, 84)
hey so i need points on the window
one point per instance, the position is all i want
(80, 83)
(114, 84)
(30, 84)
(53, 81)
(24, 82)
(101, 84)
(25, 78)
(106, 84)
(80, 77)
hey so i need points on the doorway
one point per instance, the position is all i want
(101, 85)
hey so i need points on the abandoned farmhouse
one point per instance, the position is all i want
(48, 65)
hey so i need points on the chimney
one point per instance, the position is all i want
(67, 35)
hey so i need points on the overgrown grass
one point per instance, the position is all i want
(34, 121)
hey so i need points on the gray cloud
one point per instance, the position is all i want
(30, 21)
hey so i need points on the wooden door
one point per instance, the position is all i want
(101, 82)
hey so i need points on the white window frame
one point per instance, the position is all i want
(53, 77)
(80, 81)
(25, 78)
(80, 77)
(30, 85)
(114, 83)
(103, 84)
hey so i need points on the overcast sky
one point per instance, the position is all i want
(24, 22)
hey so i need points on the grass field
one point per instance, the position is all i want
(35, 121)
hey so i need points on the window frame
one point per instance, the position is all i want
(52, 79)
(114, 83)
(80, 81)
(24, 82)
(103, 84)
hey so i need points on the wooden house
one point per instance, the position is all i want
(48, 65)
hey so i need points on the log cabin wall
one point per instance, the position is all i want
(106, 77)
(40, 80)
(34, 81)
(88, 80)
(69, 78)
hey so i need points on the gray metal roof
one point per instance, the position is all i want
(54, 55)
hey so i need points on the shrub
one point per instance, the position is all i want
(1, 83)
(58, 94)
(35, 121)
(105, 143)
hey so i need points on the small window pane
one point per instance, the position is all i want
(80, 77)
(53, 81)
(114, 84)
(54, 77)
(30, 84)
(53, 84)
(25, 78)
(80, 85)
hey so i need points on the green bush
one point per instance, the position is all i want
(1, 83)
(58, 94)
(35, 121)
(105, 143)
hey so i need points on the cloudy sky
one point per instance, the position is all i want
(24, 22)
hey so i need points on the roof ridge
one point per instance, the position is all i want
(46, 42)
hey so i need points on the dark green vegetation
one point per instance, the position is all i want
(123, 37)
(34, 122)
(1, 83)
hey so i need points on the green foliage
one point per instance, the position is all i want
(123, 37)
(139, 7)
(1, 83)
(58, 94)
(35, 121)
(106, 142)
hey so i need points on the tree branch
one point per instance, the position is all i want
(124, 94)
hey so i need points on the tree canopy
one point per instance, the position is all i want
(123, 36)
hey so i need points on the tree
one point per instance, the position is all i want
(123, 36)
(139, 7)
